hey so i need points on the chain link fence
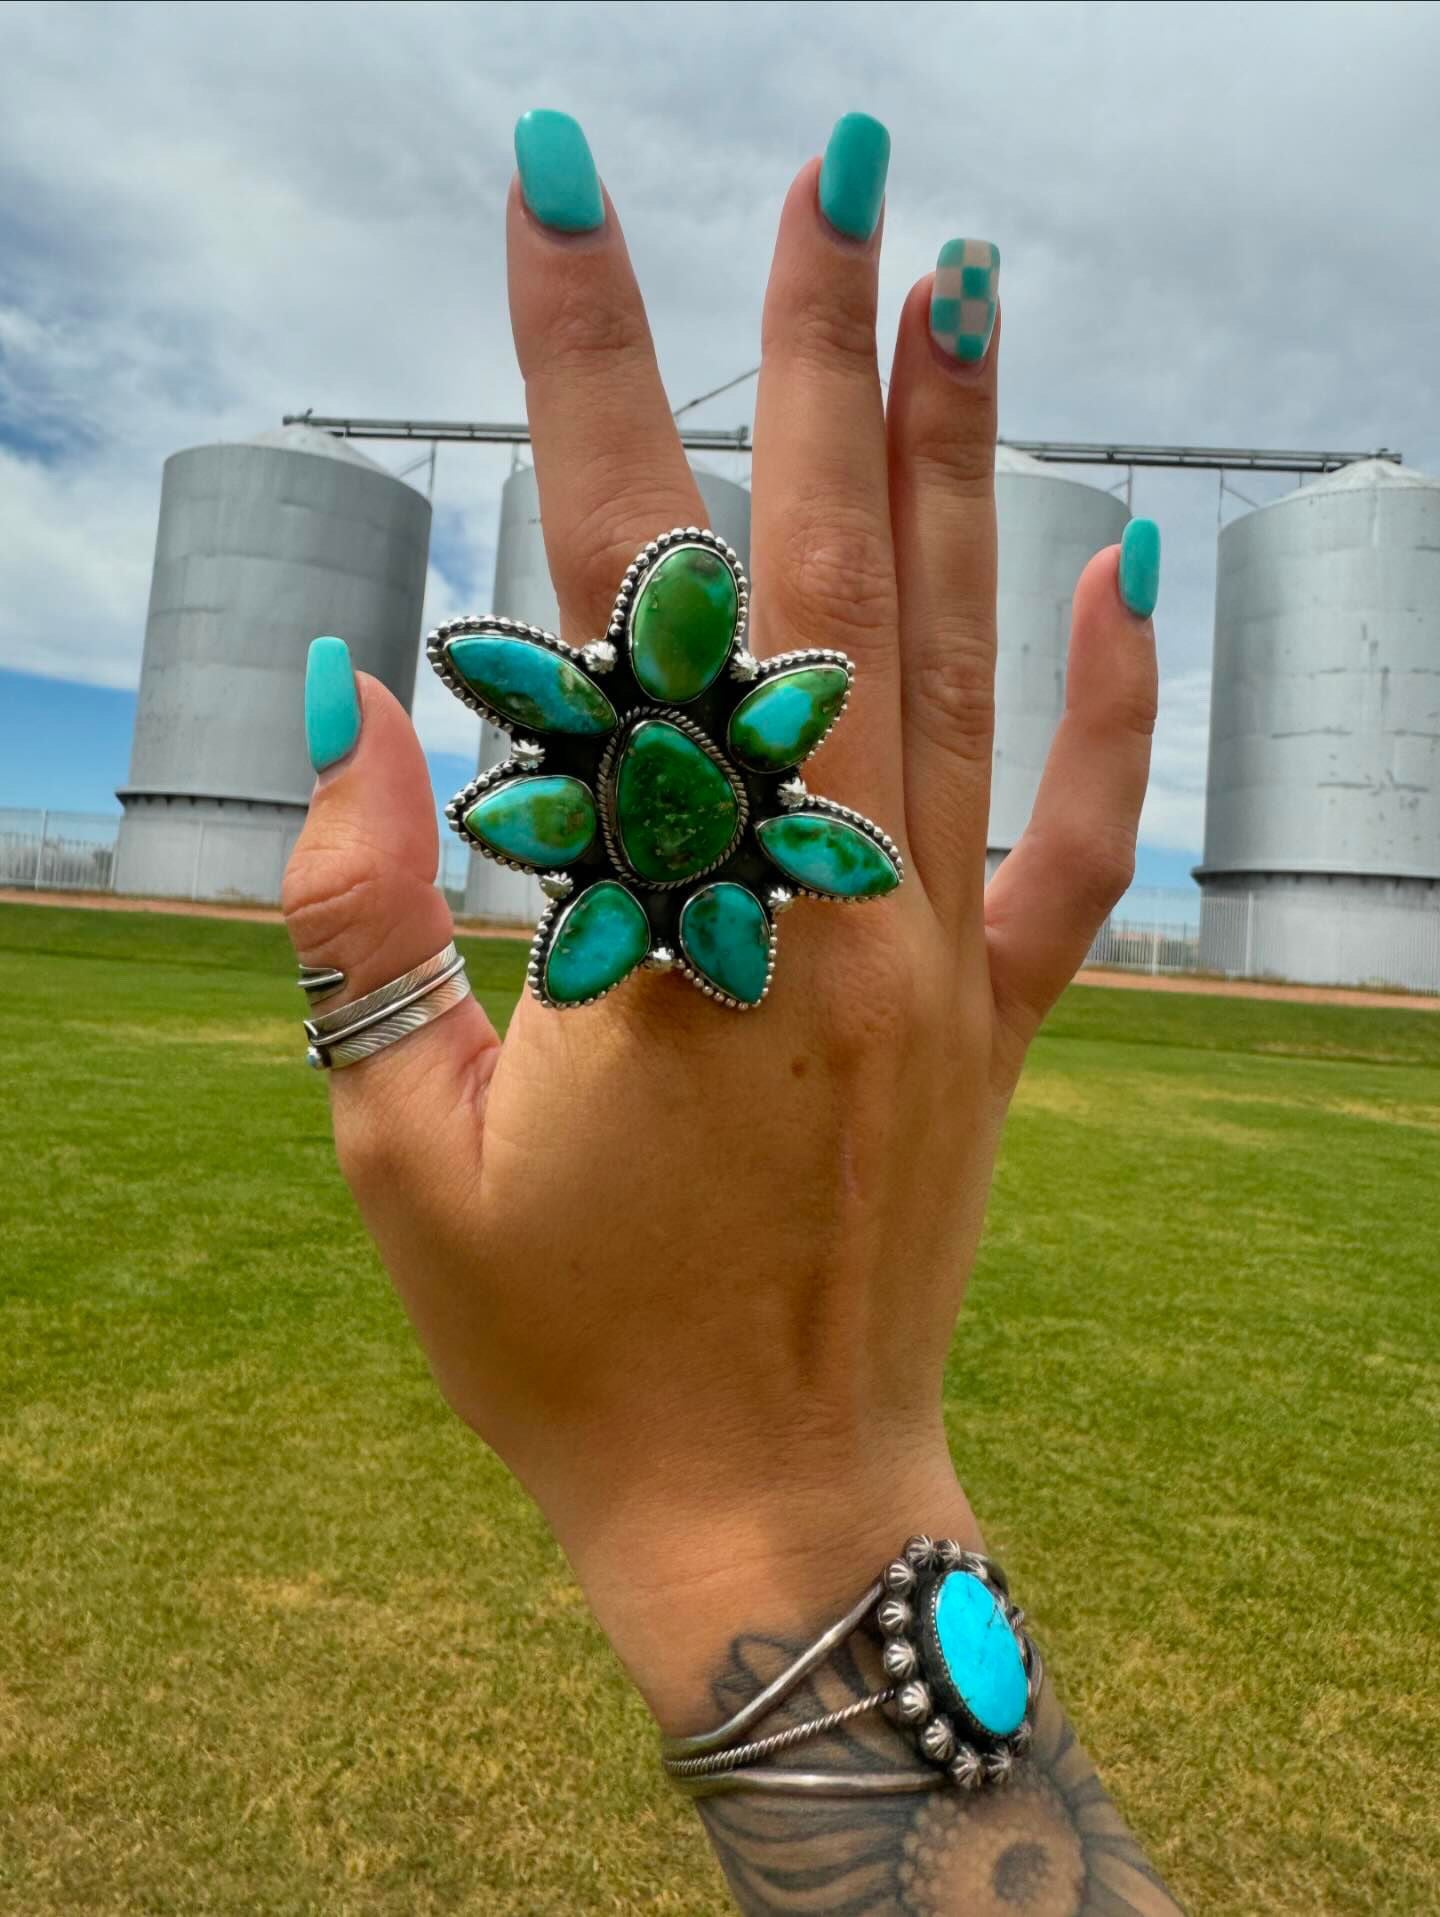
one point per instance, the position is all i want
(1174, 932)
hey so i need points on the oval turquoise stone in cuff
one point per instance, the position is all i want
(828, 855)
(725, 935)
(980, 1653)
(540, 822)
(783, 720)
(529, 685)
(683, 623)
(599, 938)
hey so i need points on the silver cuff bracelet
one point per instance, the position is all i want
(389, 1013)
(965, 1679)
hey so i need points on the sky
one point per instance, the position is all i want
(1218, 226)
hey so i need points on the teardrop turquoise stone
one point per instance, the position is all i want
(601, 935)
(980, 1652)
(786, 717)
(540, 690)
(683, 623)
(726, 936)
(541, 822)
(828, 855)
(675, 810)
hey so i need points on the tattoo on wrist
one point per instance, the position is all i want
(1049, 1844)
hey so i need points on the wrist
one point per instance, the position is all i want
(674, 1580)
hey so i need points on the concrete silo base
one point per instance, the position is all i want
(176, 847)
(1322, 928)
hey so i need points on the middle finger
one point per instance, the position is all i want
(823, 560)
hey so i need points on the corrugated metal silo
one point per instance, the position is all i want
(261, 545)
(523, 591)
(1322, 825)
(1049, 527)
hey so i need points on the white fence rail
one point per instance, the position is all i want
(1162, 932)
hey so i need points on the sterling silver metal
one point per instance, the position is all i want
(320, 981)
(391, 1012)
(731, 1758)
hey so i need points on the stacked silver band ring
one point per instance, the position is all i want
(389, 1013)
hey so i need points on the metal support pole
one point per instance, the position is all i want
(40, 848)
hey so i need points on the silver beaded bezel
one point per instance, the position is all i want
(605, 795)
(511, 771)
(677, 540)
(682, 963)
(926, 1703)
(803, 803)
(548, 930)
(767, 670)
(493, 625)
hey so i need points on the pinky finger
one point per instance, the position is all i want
(1077, 855)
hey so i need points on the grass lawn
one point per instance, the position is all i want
(278, 1636)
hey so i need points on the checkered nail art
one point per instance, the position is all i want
(962, 304)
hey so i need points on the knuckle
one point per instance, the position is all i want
(326, 896)
(584, 332)
(955, 684)
(822, 332)
(1101, 864)
(841, 570)
(604, 539)
(954, 456)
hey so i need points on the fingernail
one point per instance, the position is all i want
(332, 705)
(557, 174)
(962, 303)
(1140, 566)
(852, 175)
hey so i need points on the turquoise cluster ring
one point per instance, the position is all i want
(652, 781)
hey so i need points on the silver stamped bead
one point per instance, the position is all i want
(912, 1702)
(937, 1740)
(899, 1658)
(894, 1616)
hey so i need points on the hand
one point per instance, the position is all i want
(694, 1275)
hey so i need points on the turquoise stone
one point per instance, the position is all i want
(600, 937)
(786, 717)
(683, 623)
(540, 690)
(980, 1652)
(675, 809)
(828, 855)
(726, 936)
(540, 822)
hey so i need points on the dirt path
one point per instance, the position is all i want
(1119, 981)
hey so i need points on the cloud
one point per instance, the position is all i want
(1217, 225)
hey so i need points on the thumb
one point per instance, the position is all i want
(360, 893)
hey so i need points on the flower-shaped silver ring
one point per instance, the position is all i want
(651, 781)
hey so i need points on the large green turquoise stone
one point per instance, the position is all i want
(786, 717)
(540, 690)
(601, 935)
(726, 936)
(828, 855)
(675, 810)
(682, 624)
(540, 822)
(980, 1653)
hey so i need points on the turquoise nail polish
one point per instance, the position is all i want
(1140, 566)
(964, 298)
(332, 704)
(852, 175)
(557, 174)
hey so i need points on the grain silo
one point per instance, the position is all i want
(1322, 822)
(1049, 528)
(523, 591)
(261, 545)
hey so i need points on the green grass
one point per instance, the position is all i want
(277, 1636)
